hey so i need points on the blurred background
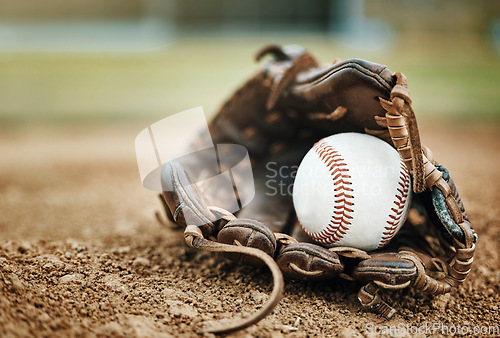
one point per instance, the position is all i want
(137, 61)
(124, 61)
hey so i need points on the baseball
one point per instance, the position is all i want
(352, 190)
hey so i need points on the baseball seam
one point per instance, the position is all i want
(339, 224)
(399, 205)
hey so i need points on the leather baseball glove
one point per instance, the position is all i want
(278, 115)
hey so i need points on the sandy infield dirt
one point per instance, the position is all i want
(81, 254)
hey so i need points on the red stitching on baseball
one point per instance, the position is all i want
(341, 217)
(399, 202)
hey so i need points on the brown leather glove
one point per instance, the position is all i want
(278, 115)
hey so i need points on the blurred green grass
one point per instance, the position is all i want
(450, 78)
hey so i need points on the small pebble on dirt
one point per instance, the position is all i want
(15, 283)
(140, 261)
(71, 278)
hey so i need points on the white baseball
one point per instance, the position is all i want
(352, 190)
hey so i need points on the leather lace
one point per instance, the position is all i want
(194, 239)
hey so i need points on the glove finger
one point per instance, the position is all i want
(342, 85)
(186, 203)
(249, 233)
(308, 262)
(389, 270)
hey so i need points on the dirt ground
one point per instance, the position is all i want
(81, 254)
